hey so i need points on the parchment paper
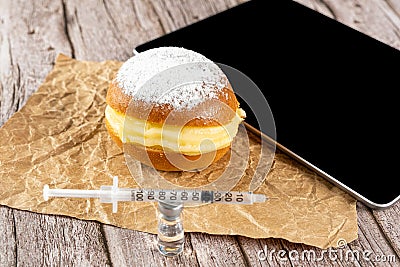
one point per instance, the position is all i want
(59, 138)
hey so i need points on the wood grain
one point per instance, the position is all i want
(28, 47)
(388, 221)
(134, 248)
(379, 19)
(32, 33)
(43, 240)
(213, 250)
(8, 249)
(372, 239)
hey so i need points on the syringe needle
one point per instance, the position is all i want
(259, 198)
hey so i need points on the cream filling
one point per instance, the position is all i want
(188, 140)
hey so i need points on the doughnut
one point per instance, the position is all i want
(172, 109)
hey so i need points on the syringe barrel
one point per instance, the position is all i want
(233, 197)
(192, 196)
(121, 194)
(112, 194)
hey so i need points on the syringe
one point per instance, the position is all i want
(113, 194)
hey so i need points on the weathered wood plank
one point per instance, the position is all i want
(31, 35)
(320, 6)
(93, 34)
(279, 252)
(44, 240)
(379, 19)
(302, 255)
(134, 248)
(8, 252)
(217, 250)
(372, 241)
(388, 220)
(111, 29)
(262, 252)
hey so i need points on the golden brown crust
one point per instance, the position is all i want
(158, 159)
(212, 112)
(117, 99)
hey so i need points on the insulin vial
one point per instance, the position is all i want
(171, 236)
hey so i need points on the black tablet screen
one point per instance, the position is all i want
(331, 89)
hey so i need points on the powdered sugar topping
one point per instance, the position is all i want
(175, 76)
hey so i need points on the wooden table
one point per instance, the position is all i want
(32, 33)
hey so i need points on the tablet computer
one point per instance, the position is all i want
(331, 89)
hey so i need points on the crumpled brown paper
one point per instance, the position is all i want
(59, 139)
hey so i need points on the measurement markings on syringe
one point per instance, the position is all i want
(166, 195)
(194, 196)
